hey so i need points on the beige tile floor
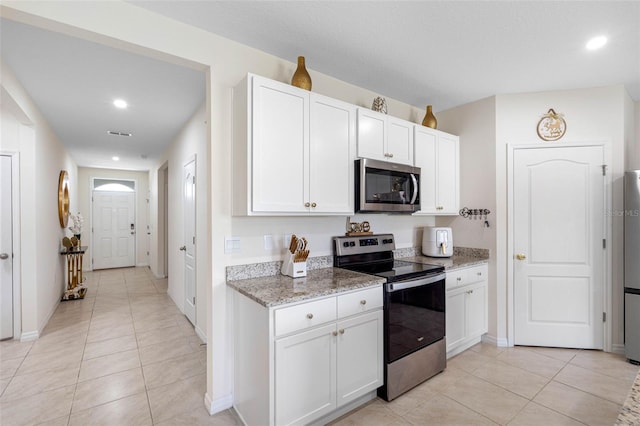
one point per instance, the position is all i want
(125, 355)
(532, 386)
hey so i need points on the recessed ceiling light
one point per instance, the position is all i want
(120, 103)
(596, 42)
(115, 158)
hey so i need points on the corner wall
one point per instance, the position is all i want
(190, 142)
(42, 157)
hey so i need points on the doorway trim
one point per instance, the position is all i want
(92, 180)
(608, 225)
(15, 243)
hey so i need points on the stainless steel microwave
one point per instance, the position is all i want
(383, 187)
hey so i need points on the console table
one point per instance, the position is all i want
(75, 289)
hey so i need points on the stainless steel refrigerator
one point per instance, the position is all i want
(632, 265)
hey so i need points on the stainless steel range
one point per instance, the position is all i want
(414, 310)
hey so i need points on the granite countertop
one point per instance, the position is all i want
(270, 291)
(462, 257)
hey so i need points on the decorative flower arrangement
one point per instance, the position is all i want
(77, 219)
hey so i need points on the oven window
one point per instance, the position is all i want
(388, 187)
(415, 319)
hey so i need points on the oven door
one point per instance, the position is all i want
(414, 313)
(387, 187)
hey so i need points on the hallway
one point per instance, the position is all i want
(123, 355)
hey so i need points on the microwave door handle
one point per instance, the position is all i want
(415, 188)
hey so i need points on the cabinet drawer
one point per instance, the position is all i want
(304, 315)
(465, 276)
(359, 301)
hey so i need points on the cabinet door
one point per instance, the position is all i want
(426, 158)
(360, 356)
(399, 141)
(305, 376)
(456, 318)
(280, 132)
(448, 198)
(477, 310)
(331, 156)
(372, 136)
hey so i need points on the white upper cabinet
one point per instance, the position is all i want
(293, 151)
(438, 156)
(381, 137)
(331, 156)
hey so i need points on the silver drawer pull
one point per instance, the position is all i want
(479, 273)
(459, 278)
(363, 302)
(310, 316)
(420, 339)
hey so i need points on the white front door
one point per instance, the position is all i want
(558, 268)
(6, 250)
(189, 247)
(114, 229)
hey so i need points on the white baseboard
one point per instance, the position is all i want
(141, 265)
(502, 342)
(29, 336)
(617, 349)
(219, 404)
(201, 334)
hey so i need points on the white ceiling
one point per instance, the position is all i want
(443, 53)
(74, 82)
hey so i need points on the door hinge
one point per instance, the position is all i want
(194, 180)
(604, 243)
(604, 170)
(194, 240)
(604, 317)
(194, 300)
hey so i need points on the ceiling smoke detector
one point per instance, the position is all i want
(111, 132)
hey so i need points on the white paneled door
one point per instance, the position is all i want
(6, 250)
(189, 247)
(558, 205)
(114, 229)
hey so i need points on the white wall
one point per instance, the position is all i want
(475, 123)
(85, 177)
(42, 157)
(190, 142)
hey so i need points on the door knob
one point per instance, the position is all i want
(4, 256)
(183, 248)
(520, 256)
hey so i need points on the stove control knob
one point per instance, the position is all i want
(345, 244)
(352, 244)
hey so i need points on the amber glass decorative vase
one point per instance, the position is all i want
(301, 77)
(429, 119)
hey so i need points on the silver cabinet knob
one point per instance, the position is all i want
(341, 331)
(459, 279)
(183, 248)
(310, 316)
(363, 302)
(307, 204)
(313, 204)
(335, 333)
(4, 256)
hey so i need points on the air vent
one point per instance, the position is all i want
(111, 132)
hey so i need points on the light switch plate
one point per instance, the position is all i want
(269, 243)
(232, 245)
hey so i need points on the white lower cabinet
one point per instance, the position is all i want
(466, 307)
(320, 356)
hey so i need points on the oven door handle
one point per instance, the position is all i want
(403, 285)
(415, 188)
